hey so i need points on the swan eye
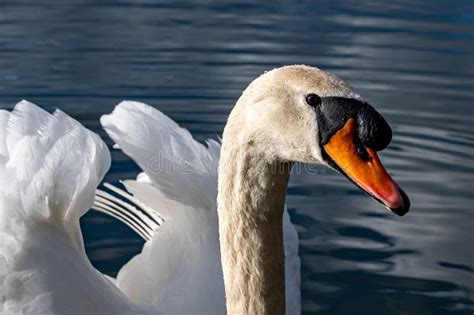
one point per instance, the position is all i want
(313, 99)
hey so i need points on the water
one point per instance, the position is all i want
(414, 60)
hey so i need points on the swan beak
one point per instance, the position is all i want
(363, 168)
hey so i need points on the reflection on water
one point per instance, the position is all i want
(413, 59)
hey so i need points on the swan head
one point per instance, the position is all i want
(303, 114)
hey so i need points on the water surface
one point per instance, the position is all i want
(413, 60)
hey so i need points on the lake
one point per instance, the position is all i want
(413, 60)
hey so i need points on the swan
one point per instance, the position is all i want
(290, 114)
(283, 116)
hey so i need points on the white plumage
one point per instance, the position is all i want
(179, 270)
(50, 167)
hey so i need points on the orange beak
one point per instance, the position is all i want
(367, 173)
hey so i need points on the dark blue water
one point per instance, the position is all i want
(414, 60)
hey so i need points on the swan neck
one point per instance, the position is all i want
(251, 199)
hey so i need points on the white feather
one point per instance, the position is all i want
(179, 166)
(179, 270)
(50, 167)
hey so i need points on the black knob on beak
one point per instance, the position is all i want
(373, 130)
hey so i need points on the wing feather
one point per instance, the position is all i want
(178, 165)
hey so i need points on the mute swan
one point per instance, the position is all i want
(295, 113)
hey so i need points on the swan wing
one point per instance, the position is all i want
(292, 266)
(179, 269)
(180, 167)
(50, 167)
